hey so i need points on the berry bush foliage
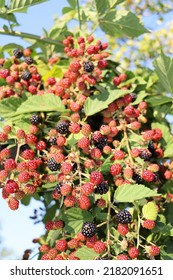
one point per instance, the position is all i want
(91, 141)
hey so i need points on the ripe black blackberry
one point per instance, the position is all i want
(124, 217)
(137, 178)
(102, 188)
(52, 140)
(102, 142)
(35, 119)
(26, 75)
(18, 53)
(89, 229)
(145, 154)
(58, 187)
(53, 165)
(88, 66)
(62, 127)
(29, 60)
(151, 146)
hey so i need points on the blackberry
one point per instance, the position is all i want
(124, 217)
(102, 142)
(146, 154)
(137, 178)
(18, 53)
(89, 229)
(151, 146)
(62, 127)
(134, 96)
(53, 165)
(29, 60)
(88, 66)
(26, 75)
(102, 188)
(52, 140)
(58, 187)
(35, 119)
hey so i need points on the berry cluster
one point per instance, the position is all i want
(82, 160)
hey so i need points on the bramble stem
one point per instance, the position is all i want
(30, 36)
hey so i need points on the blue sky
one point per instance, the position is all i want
(16, 229)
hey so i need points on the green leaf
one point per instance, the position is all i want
(72, 3)
(42, 67)
(41, 103)
(164, 69)
(169, 213)
(158, 100)
(168, 152)
(113, 3)
(122, 22)
(2, 3)
(167, 252)
(8, 106)
(21, 5)
(130, 193)
(100, 101)
(74, 138)
(10, 17)
(150, 211)
(53, 236)
(101, 6)
(10, 47)
(55, 72)
(74, 219)
(50, 213)
(85, 253)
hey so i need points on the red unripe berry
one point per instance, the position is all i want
(83, 143)
(70, 201)
(74, 128)
(11, 186)
(66, 167)
(23, 177)
(66, 189)
(116, 81)
(3, 137)
(153, 250)
(87, 188)
(20, 134)
(61, 245)
(101, 203)
(148, 224)
(84, 202)
(115, 169)
(123, 77)
(10, 164)
(122, 257)
(133, 252)
(99, 247)
(13, 203)
(96, 177)
(123, 229)
(41, 145)
(148, 176)
(168, 174)
(58, 224)
(49, 225)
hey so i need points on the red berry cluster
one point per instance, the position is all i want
(81, 160)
